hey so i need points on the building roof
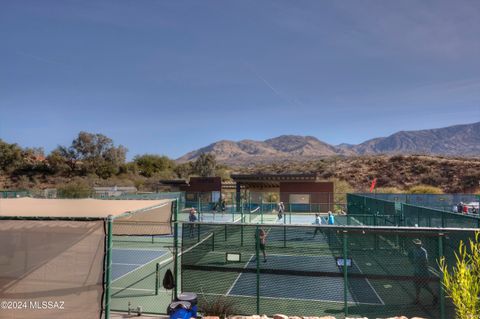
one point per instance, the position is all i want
(176, 182)
(272, 180)
(74, 208)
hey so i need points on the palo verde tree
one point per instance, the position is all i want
(149, 164)
(98, 154)
(205, 165)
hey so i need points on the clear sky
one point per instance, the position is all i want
(168, 77)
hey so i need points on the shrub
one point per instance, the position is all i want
(341, 190)
(424, 189)
(217, 306)
(77, 188)
(389, 190)
(462, 282)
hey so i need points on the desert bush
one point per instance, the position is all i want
(424, 189)
(419, 168)
(77, 188)
(217, 306)
(434, 179)
(389, 190)
(470, 180)
(462, 281)
(341, 189)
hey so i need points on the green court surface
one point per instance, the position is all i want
(301, 275)
(138, 267)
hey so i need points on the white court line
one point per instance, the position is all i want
(157, 257)
(368, 282)
(123, 264)
(135, 289)
(315, 257)
(140, 249)
(296, 299)
(238, 277)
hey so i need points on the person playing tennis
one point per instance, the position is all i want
(281, 209)
(262, 240)
(318, 221)
(192, 218)
(331, 218)
(419, 259)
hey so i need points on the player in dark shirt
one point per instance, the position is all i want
(419, 259)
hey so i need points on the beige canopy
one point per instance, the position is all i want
(92, 208)
(44, 259)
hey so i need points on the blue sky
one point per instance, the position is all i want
(168, 77)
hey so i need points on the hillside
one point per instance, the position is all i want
(402, 172)
(458, 140)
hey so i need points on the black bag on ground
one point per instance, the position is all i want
(168, 280)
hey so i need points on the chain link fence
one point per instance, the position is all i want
(401, 214)
(446, 202)
(319, 270)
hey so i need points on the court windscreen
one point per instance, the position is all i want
(51, 269)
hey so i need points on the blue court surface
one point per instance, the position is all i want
(211, 217)
(291, 287)
(125, 261)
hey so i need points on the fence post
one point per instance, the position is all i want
(199, 203)
(241, 234)
(442, 292)
(257, 255)
(108, 267)
(175, 248)
(213, 240)
(157, 279)
(345, 272)
(418, 216)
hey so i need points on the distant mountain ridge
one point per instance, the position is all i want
(457, 140)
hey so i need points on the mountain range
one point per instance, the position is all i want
(458, 140)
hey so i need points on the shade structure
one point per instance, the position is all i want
(52, 261)
(75, 208)
(52, 252)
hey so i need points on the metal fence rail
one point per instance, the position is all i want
(444, 202)
(402, 214)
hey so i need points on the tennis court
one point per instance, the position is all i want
(138, 266)
(304, 273)
(307, 284)
(126, 261)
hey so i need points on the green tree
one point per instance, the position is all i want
(58, 163)
(184, 170)
(150, 164)
(98, 154)
(205, 165)
(223, 172)
(10, 157)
